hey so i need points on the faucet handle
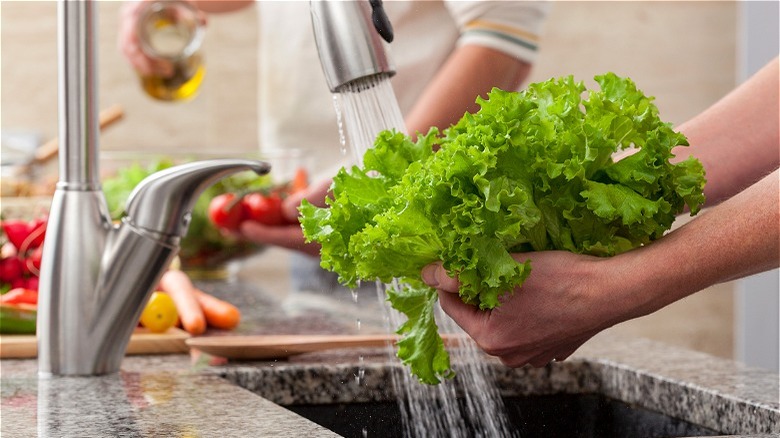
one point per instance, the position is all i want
(381, 22)
(162, 203)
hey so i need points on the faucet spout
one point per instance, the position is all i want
(162, 202)
(96, 276)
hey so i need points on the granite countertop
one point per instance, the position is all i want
(181, 395)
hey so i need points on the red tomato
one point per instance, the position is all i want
(20, 295)
(266, 209)
(226, 211)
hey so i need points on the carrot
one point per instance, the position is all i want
(300, 180)
(178, 285)
(219, 313)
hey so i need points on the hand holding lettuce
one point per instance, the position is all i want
(530, 171)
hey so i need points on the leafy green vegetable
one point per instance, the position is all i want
(204, 245)
(530, 171)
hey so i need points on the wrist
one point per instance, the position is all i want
(613, 293)
(650, 277)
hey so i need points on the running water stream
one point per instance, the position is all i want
(469, 405)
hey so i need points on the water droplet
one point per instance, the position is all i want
(365, 108)
(340, 123)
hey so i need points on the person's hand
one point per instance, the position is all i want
(560, 306)
(289, 236)
(130, 46)
(128, 41)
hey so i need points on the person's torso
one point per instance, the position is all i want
(295, 106)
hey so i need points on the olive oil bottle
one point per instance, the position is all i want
(170, 35)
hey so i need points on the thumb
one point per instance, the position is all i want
(434, 275)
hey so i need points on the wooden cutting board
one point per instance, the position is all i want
(259, 347)
(141, 342)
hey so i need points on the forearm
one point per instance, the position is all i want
(469, 72)
(737, 138)
(737, 238)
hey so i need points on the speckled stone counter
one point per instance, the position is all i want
(717, 394)
(176, 395)
(145, 402)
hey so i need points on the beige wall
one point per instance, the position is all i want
(683, 53)
(223, 115)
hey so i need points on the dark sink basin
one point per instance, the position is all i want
(657, 395)
(558, 415)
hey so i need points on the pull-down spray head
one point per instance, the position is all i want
(351, 38)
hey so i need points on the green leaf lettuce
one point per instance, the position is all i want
(529, 171)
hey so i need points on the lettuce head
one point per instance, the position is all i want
(529, 171)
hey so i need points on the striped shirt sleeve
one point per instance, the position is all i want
(510, 26)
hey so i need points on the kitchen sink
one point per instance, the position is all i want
(575, 398)
(556, 415)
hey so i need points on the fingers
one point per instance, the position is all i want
(434, 275)
(532, 356)
(468, 317)
(458, 310)
(315, 194)
(128, 39)
(290, 206)
(285, 236)
(290, 236)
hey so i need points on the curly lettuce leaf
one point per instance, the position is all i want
(529, 171)
(421, 348)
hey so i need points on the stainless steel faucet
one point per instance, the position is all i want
(96, 276)
(351, 38)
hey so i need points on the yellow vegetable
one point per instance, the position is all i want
(160, 313)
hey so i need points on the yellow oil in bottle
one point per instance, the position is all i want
(183, 85)
(175, 55)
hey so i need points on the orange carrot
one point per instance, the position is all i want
(219, 313)
(178, 285)
(300, 180)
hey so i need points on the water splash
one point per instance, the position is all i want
(367, 107)
(470, 405)
(340, 123)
